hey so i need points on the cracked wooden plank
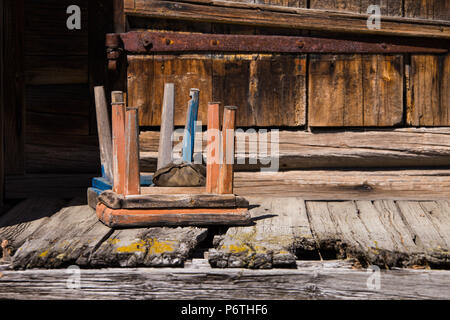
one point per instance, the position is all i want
(281, 228)
(149, 247)
(22, 220)
(68, 237)
(426, 234)
(378, 233)
(401, 147)
(317, 280)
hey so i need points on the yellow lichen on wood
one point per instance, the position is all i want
(43, 254)
(138, 246)
(158, 247)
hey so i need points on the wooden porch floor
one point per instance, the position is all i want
(55, 233)
(315, 250)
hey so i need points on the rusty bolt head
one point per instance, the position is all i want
(300, 44)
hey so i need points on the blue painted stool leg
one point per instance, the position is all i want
(189, 131)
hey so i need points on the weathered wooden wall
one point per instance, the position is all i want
(49, 114)
(2, 80)
(297, 90)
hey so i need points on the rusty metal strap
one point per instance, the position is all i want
(170, 42)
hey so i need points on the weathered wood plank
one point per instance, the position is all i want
(268, 89)
(19, 223)
(298, 18)
(56, 124)
(183, 217)
(281, 229)
(48, 185)
(408, 147)
(2, 107)
(318, 280)
(356, 90)
(429, 91)
(147, 76)
(309, 184)
(58, 99)
(346, 185)
(40, 70)
(14, 87)
(425, 234)
(53, 153)
(427, 9)
(374, 234)
(152, 247)
(439, 214)
(46, 32)
(161, 201)
(68, 237)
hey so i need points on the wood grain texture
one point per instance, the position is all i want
(56, 153)
(46, 32)
(14, 87)
(65, 99)
(67, 238)
(373, 233)
(213, 148)
(104, 132)
(427, 9)
(346, 185)
(167, 126)
(132, 184)
(426, 235)
(270, 90)
(297, 18)
(402, 147)
(226, 173)
(168, 201)
(118, 141)
(281, 228)
(2, 103)
(312, 280)
(267, 88)
(355, 90)
(40, 70)
(62, 185)
(20, 222)
(428, 93)
(152, 247)
(162, 217)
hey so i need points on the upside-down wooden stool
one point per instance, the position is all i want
(130, 205)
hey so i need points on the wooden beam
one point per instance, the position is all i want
(120, 22)
(329, 280)
(282, 17)
(431, 184)
(347, 184)
(401, 148)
